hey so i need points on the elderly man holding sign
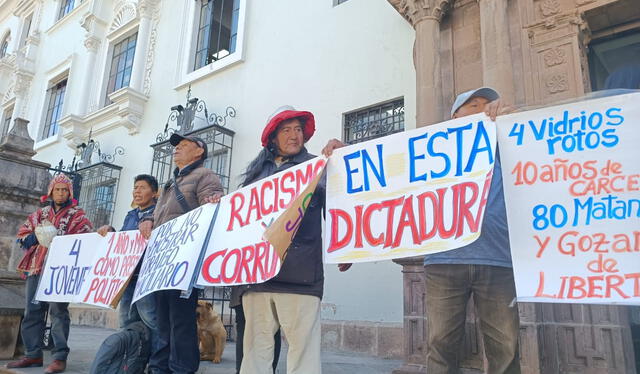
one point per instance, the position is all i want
(192, 185)
(291, 300)
(61, 217)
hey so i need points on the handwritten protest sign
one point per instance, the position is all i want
(238, 253)
(282, 231)
(173, 252)
(89, 268)
(411, 193)
(68, 266)
(572, 191)
(113, 265)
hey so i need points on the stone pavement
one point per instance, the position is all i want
(84, 342)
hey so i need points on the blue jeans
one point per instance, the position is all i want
(33, 324)
(143, 310)
(448, 289)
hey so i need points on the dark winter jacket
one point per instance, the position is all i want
(302, 272)
(132, 220)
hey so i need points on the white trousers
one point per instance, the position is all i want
(299, 318)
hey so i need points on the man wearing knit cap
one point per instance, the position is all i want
(68, 219)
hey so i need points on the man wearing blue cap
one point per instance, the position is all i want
(482, 269)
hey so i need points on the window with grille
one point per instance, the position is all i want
(121, 65)
(6, 122)
(55, 102)
(373, 122)
(217, 30)
(66, 6)
(219, 143)
(99, 191)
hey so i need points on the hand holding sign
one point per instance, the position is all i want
(173, 253)
(572, 183)
(238, 253)
(89, 268)
(411, 193)
(145, 228)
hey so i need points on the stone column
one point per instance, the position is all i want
(22, 182)
(497, 68)
(146, 9)
(94, 27)
(21, 92)
(425, 17)
(414, 320)
(428, 76)
(91, 43)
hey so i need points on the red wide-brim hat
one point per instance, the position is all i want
(308, 129)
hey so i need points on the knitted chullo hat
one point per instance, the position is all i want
(58, 179)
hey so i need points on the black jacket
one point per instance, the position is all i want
(302, 272)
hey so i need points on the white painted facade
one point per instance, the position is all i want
(311, 54)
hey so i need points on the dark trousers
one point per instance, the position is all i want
(448, 289)
(33, 324)
(177, 348)
(240, 322)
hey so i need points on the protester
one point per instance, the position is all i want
(192, 185)
(145, 191)
(291, 300)
(67, 219)
(236, 304)
(482, 269)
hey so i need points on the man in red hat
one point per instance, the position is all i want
(291, 300)
(68, 219)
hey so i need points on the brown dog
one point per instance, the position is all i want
(211, 332)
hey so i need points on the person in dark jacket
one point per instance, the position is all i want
(291, 300)
(145, 192)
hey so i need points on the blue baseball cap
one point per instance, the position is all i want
(486, 92)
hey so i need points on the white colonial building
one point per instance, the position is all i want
(120, 73)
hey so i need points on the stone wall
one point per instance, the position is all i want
(370, 338)
(22, 182)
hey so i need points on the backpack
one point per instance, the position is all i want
(126, 351)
